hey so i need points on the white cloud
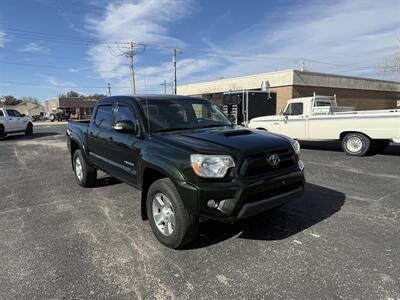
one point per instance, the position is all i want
(143, 21)
(57, 83)
(33, 47)
(348, 33)
(2, 39)
(343, 33)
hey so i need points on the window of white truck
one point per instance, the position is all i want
(294, 109)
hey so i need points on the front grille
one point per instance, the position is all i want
(257, 164)
(273, 192)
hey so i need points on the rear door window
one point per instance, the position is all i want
(10, 113)
(104, 116)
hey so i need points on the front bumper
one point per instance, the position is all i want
(243, 197)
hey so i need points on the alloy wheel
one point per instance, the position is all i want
(163, 214)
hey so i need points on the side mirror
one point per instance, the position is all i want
(23, 115)
(125, 127)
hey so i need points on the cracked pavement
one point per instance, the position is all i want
(58, 240)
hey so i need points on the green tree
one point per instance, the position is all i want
(11, 100)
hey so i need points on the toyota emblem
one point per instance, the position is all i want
(274, 159)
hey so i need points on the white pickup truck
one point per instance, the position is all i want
(319, 118)
(11, 121)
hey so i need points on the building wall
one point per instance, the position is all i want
(360, 99)
(80, 107)
(283, 94)
(276, 79)
(362, 93)
(51, 105)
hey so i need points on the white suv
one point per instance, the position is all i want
(12, 121)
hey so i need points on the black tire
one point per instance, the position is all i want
(186, 226)
(356, 144)
(29, 129)
(2, 133)
(89, 174)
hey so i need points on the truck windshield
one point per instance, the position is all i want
(173, 114)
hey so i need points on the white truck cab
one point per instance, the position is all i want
(320, 118)
(12, 121)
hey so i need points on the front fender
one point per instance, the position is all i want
(187, 191)
(160, 164)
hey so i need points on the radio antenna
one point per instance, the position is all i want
(147, 104)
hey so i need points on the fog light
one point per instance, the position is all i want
(212, 203)
(301, 165)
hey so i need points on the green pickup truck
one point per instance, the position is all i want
(188, 159)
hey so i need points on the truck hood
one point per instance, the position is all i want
(236, 141)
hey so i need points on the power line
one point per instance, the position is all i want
(84, 69)
(19, 33)
(89, 41)
(64, 58)
(55, 85)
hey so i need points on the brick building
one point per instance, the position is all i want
(362, 93)
(79, 106)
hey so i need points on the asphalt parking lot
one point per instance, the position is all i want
(58, 240)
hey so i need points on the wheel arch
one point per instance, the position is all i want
(344, 133)
(74, 146)
(150, 175)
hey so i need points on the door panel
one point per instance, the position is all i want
(295, 126)
(126, 148)
(294, 121)
(11, 120)
(100, 138)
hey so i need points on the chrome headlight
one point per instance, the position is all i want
(212, 166)
(296, 146)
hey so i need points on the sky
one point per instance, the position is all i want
(48, 47)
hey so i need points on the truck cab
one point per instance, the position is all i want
(12, 121)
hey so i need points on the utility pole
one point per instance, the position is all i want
(174, 63)
(131, 54)
(302, 65)
(165, 86)
(109, 89)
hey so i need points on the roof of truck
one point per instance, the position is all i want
(141, 98)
